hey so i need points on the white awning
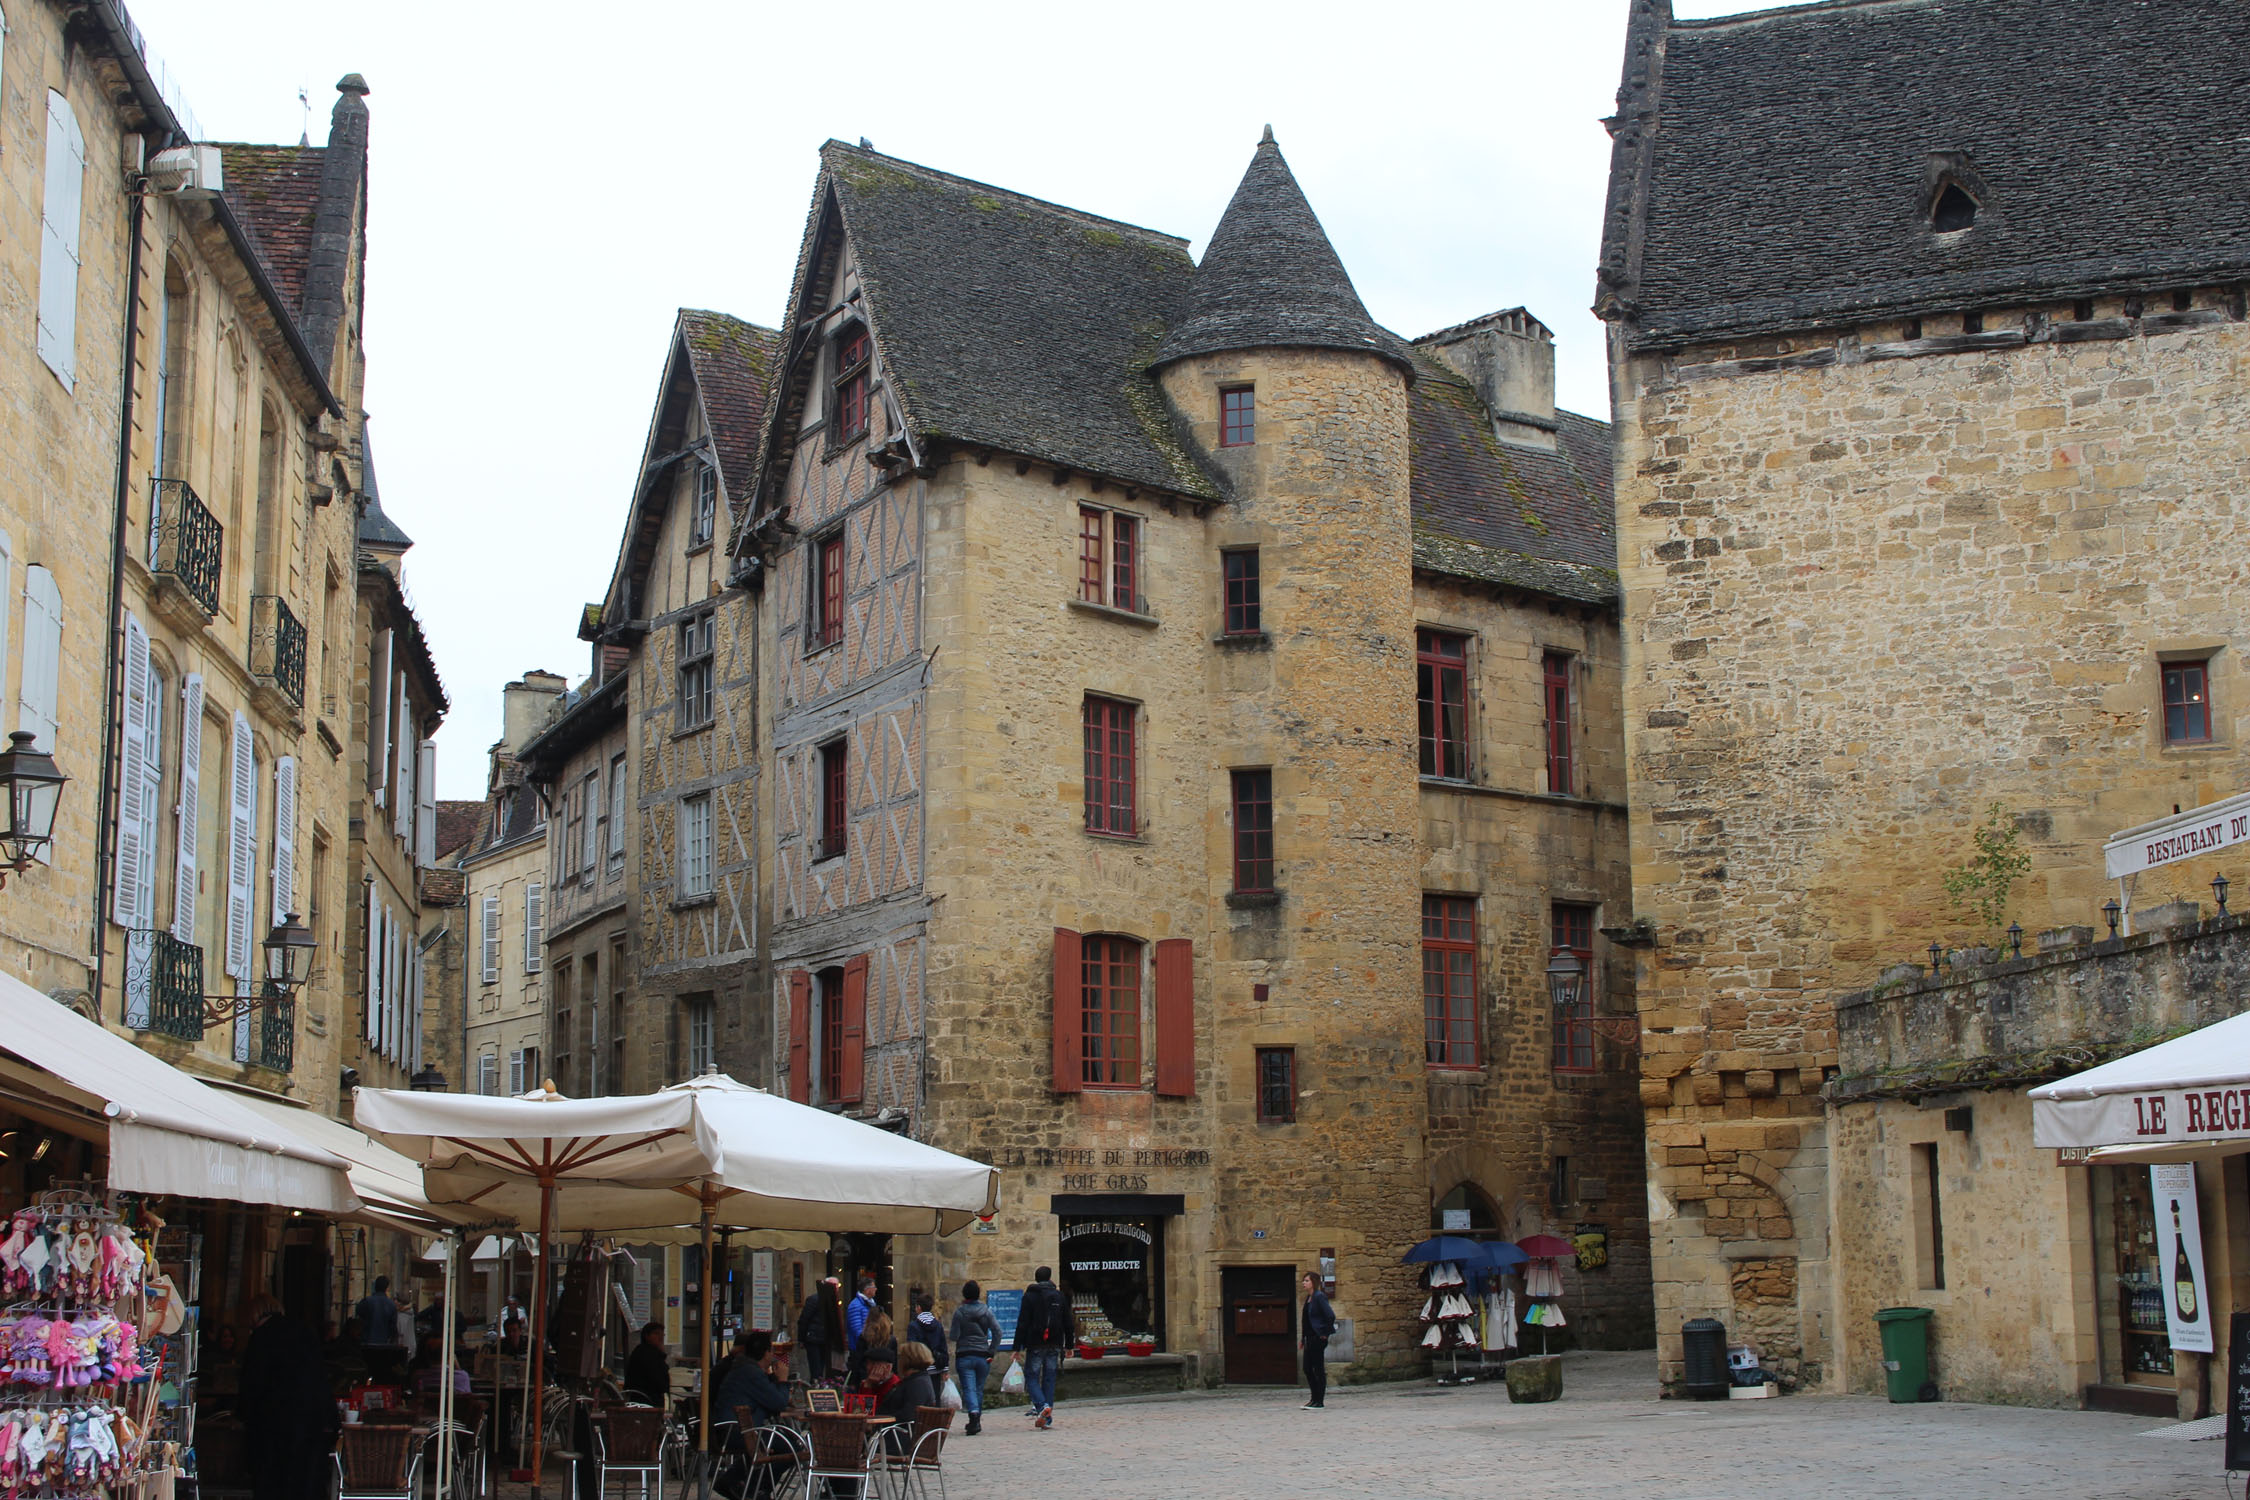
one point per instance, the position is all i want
(2191, 1091)
(2199, 830)
(166, 1131)
(386, 1183)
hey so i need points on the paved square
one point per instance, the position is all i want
(1609, 1435)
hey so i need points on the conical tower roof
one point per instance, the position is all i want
(1270, 279)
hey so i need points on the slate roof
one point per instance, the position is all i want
(1503, 512)
(733, 366)
(1776, 171)
(275, 193)
(1270, 279)
(1017, 324)
(376, 528)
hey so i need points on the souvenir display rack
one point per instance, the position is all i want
(76, 1391)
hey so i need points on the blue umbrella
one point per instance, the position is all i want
(1499, 1255)
(1469, 1255)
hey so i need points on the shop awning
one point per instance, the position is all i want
(166, 1132)
(2189, 1092)
(388, 1186)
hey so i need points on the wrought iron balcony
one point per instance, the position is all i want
(277, 649)
(186, 542)
(163, 984)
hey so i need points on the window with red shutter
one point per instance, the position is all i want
(1124, 563)
(800, 1036)
(1449, 985)
(1109, 558)
(1093, 549)
(1442, 688)
(1068, 1012)
(852, 350)
(1175, 1018)
(852, 1064)
(827, 613)
(1559, 768)
(1571, 930)
(831, 1034)
(1109, 725)
(835, 798)
(1110, 1000)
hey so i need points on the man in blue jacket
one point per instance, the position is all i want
(859, 1310)
(1317, 1327)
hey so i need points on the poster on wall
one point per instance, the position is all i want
(1004, 1306)
(761, 1290)
(2187, 1312)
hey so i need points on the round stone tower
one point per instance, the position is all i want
(1299, 400)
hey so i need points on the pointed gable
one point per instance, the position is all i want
(1002, 321)
(1271, 280)
(732, 362)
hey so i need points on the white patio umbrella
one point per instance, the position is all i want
(746, 1159)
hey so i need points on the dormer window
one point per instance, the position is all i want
(706, 517)
(1954, 210)
(852, 347)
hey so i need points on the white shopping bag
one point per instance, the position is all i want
(1012, 1382)
(949, 1395)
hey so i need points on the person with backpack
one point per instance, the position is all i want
(976, 1338)
(1042, 1333)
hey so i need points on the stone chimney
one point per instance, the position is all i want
(526, 706)
(1510, 358)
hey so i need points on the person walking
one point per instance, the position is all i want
(1042, 1333)
(925, 1329)
(382, 1335)
(820, 1331)
(1316, 1327)
(976, 1338)
(286, 1411)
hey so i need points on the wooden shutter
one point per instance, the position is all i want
(425, 805)
(534, 927)
(373, 969)
(851, 1087)
(42, 656)
(186, 856)
(128, 887)
(1175, 1018)
(60, 211)
(242, 847)
(284, 837)
(1070, 1012)
(379, 705)
(491, 917)
(800, 1036)
(402, 761)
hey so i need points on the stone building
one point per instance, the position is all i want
(501, 856)
(1106, 605)
(1928, 415)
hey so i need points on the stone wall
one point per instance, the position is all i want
(1876, 583)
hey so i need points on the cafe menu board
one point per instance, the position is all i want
(1005, 1306)
(2238, 1391)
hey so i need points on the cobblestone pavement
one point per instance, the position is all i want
(1609, 1435)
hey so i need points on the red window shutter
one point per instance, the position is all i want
(1070, 1012)
(1175, 1018)
(800, 1036)
(854, 1062)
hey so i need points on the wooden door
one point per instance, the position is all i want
(1261, 1324)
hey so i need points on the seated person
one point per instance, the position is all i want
(881, 1377)
(749, 1385)
(648, 1370)
(910, 1391)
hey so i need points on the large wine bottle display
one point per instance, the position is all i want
(2183, 1274)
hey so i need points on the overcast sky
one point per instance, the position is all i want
(550, 182)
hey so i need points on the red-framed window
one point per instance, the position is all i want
(1441, 662)
(1253, 831)
(1110, 994)
(1556, 670)
(1277, 1085)
(1109, 558)
(1571, 930)
(851, 384)
(828, 591)
(2187, 703)
(1109, 724)
(1449, 981)
(1238, 416)
(1239, 568)
(835, 810)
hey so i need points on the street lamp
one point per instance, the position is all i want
(428, 1081)
(2111, 911)
(2015, 939)
(289, 955)
(2219, 889)
(1566, 977)
(32, 790)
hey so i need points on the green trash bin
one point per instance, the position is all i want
(1906, 1350)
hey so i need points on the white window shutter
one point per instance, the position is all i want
(152, 797)
(402, 764)
(189, 829)
(534, 927)
(492, 940)
(59, 214)
(379, 705)
(425, 804)
(488, 1073)
(516, 1085)
(617, 807)
(414, 1005)
(374, 968)
(284, 837)
(41, 676)
(127, 888)
(242, 848)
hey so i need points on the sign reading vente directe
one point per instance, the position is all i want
(2200, 830)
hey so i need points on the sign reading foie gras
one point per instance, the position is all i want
(2179, 1270)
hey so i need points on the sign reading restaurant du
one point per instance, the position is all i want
(2199, 830)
